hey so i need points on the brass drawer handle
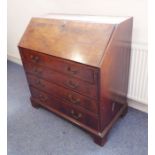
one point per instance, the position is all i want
(43, 98)
(71, 84)
(37, 71)
(71, 70)
(76, 116)
(34, 58)
(38, 82)
(73, 100)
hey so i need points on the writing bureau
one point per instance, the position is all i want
(78, 68)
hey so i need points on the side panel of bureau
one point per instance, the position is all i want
(114, 73)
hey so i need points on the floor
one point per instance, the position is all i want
(38, 132)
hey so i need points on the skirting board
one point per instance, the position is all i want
(132, 103)
(14, 59)
(138, 105)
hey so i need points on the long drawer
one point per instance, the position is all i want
(64, 94)
(70, 68)
(78, 115)
(71, 83)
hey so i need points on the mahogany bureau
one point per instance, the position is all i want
(78, 67)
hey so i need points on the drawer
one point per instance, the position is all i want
(66, 67)
(51, 102)
(71, 83)
(43, 98)
(66, 95)
(80, 116)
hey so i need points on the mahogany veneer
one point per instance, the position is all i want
(78, 68)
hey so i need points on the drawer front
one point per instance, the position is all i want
(74, 113)
(71, 83)
(70, 68)
(80, 116)
(43, 98)
(66, 95)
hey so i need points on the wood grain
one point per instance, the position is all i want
(79, 70)
(72, 40)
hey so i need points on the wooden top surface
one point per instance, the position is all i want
(86, 18)
(80, 41)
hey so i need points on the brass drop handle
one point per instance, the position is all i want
(34, 58)
(76, 116)
(38, 82)
(38, 71)
(69, 69)
(43, 98)
(73, 100)
(71, 84)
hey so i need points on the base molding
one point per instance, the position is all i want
(121, 113)
(138, 105)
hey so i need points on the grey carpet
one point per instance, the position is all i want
(38, 132)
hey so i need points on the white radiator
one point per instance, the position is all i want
(138, 81)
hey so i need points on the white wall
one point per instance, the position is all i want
(20, 12)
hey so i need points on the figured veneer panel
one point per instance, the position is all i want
(73, 40)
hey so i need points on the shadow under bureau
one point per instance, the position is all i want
(78, 68)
